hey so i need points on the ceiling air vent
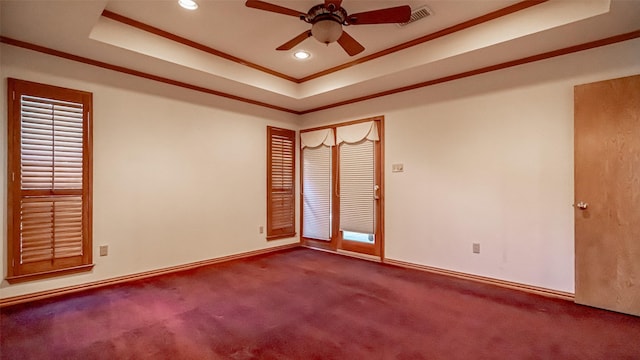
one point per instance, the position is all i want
(417, 14)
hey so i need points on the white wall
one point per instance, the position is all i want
(179, 176)
(487, 159)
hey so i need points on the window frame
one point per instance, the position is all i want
(17, 272)
(290, 231)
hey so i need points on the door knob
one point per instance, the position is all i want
(582, 205)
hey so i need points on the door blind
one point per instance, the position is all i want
(316, 190)
(357, 181)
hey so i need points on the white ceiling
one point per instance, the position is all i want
(77, 27)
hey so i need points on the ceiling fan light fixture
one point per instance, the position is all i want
(188, 4)
(326, 31)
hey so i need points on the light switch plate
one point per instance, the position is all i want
(476, 248)
(397, 168)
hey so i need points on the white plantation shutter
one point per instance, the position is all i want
(316, 192)
(50, 221)
(357, 177)
(280, 183)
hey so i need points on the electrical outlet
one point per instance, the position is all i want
(104, 250)
(476, 248)
(261, 229)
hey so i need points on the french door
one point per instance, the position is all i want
(341, 184)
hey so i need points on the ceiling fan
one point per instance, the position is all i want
(327, 20)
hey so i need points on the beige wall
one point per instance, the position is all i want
(488, 159)
(179, 176)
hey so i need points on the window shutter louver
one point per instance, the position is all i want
(281, 183)
(316, 192)
(51, 159)
(51, 148)
(49, 193)
(51, 228)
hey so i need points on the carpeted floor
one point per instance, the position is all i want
(305, 304)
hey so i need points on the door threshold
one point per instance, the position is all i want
(359, 255)
(348, 253)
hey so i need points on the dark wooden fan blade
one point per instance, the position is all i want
(261, 5)
(332, 4)
(349, 44)
(295, 41)
(398, 14)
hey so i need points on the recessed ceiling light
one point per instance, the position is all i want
(188, 4)
(301, 55)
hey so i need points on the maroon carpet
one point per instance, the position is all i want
(305, 304)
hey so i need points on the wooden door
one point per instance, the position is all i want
(607, 194)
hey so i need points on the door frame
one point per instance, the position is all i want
(337, 243)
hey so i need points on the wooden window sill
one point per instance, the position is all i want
(48, 274)
(280, 236)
